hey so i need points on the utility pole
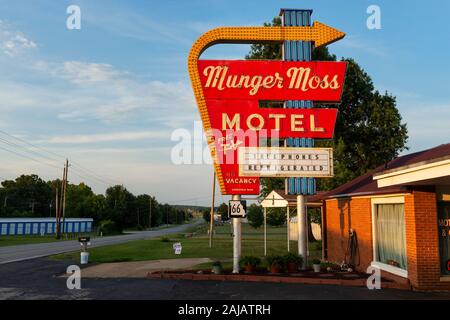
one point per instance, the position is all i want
(211, 218)
(167, 216)
(150, 214)
(59, 211)
(64, 196)
(32, 207)
(51, 206)
(58, 229)
(138, 216)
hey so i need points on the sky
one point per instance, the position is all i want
(110, 95)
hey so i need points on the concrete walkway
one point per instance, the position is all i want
(138, 269)
(32, 251)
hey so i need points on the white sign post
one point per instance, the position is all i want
(273, 200)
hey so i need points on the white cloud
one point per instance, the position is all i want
(13, 42)
(108, 137)
(100, 92)
(375, 48)
(427, 124)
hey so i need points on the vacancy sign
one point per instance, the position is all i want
(232, 95)
(286, 162)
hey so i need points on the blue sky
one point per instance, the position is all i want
(109, 95)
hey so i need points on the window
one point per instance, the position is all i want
(4, 229)
(35, 228)
(390, 235)
(12, 228)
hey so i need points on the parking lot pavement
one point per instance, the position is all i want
(40, 279)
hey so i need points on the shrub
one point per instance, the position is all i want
(108, 227)
(250, 261)
(316, 261)
(293, 258)
(217, 264)
(165, 239)
(275, 260)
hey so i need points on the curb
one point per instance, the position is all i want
(273, 279)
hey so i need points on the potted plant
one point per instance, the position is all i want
(275, 263)
(316, 265)
(217, 267)
(292, 262)
(250, 263)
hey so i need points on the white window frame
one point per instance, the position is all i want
(383, 266)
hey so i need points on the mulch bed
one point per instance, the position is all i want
(304, 277)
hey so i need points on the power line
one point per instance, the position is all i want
(30, 158)
(77, 167)
(33, 145)
(92, 174)
(14, 145)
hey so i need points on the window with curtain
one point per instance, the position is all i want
(390, 235)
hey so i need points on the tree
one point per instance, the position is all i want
(369, 130)
(28, 195)
(79, 203)
(121, 207)
(276, 216)
(207, 215)
(223, 211)
(255, 215)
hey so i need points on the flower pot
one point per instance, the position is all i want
(249, 268)
(316, 267)
(292, 267)
(275, 268)
(216, 270)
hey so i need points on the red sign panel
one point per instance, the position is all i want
(272, 80)
(240, 123)
(233, 91)
(268, 122)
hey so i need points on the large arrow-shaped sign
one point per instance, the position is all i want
(319, 33)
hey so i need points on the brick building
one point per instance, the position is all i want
(400, 216)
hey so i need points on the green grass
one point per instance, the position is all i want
(6, 241)
(195, 247)
(20, 240)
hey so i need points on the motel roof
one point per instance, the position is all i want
(366, 185)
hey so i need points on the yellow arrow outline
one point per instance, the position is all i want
(319, 33)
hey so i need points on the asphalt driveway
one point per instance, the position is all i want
(41, 279)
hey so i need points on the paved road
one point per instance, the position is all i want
(32, 251)
(40, 279)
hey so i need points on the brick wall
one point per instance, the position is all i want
(423, 241)
(341, 215)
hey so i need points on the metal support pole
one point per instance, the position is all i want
(265, 232)
(211, 217)
(302, 230)
(288, 230)
(236, 238)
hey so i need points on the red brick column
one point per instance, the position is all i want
(422, 241)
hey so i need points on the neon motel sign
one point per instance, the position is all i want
(229, 95)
